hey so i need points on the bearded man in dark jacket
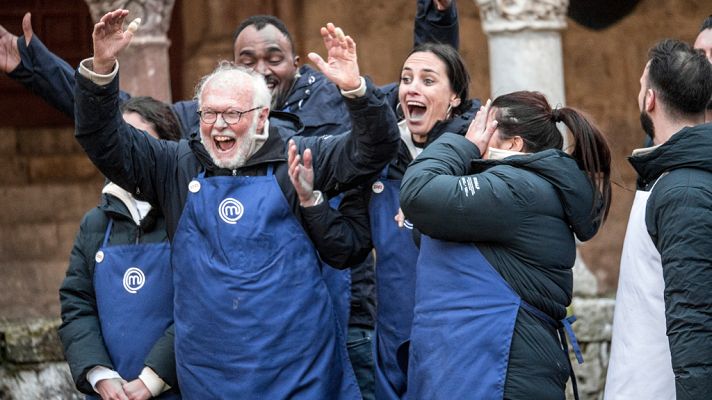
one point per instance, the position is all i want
(662, 328)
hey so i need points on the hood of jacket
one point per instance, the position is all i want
(571, 184)
(689, 148)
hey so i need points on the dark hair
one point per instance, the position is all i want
(706, 24)
(456, 71)
(529, 116)
(680, 76)
(259, 22)
(157, 113)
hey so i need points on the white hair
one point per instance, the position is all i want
(261, 96)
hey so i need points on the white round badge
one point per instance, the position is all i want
(377, 187)
(194, 186)
(99, 257)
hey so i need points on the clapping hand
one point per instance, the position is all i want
(301, 175)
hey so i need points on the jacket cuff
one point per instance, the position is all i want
(153, 382)
(99, 373)
(358, 92)
(86, 70)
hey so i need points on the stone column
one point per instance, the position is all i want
(144, 64)
(525, 45)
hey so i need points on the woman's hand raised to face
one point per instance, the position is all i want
(341, 66)
(480, 132)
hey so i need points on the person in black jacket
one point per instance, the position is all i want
(104, 341)
(252, 314)
(500, 211)
(662, 328)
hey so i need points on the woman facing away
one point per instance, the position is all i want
(500, 210)
(433, 98)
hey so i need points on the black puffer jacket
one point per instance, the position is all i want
(678, 217)
(80, 331)
(522, 213)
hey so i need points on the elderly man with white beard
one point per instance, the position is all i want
(253, 318)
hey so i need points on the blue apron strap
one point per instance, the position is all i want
(566, 322)
(201, 174)
(562, 327)
(270, 170)
(107, 233)
(384, 172)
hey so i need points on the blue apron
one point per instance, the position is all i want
(463, 324)
(253, 317)
(396, 256)
(338, 282)
(134, 299)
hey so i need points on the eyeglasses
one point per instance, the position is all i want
(230, 117)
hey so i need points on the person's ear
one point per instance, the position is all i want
(296, 61)
(516, 143)
(455, 101)
(264, 114)
(649, 100)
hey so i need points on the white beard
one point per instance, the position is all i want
(245, 149)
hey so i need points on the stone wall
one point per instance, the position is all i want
(46, 185)
(31, 362)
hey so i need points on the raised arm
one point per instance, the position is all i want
(343, 161)
(436, 21)
(125, 155)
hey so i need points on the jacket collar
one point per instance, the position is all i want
(689, 148)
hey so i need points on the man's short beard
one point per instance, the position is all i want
(245, 150)
(279, 97)
(647, 124)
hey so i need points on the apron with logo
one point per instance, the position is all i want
(396, 256)
(134, 296)
(338, 282)
(640, 366)
(253, 317)
(463, 324)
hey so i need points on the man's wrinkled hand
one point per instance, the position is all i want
(110, 39)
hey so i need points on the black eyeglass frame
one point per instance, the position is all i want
(228, 115)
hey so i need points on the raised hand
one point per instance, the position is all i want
(442, 5)
(9, 54)
(110, 39)
(479, 132)
(341, 66)
(111, 389)
(301, 175)
(137, 390)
